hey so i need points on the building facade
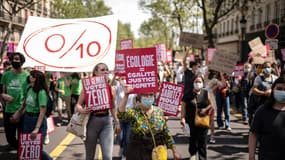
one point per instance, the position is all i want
(245, 22)
(39, 8)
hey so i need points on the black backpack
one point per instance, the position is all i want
(49, 103)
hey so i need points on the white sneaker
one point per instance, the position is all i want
(229, 129)
(46, 140)
(193, 157)
(123, 158)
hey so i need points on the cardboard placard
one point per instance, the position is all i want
(223, 61)
(97, 93)
(191, 39)
(30, 149)
(141, 69)
(169, 98)
(257, 47)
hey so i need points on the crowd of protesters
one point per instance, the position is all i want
(256, 94)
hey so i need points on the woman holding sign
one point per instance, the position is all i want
(147, 121)
(35, 105)
(100, 124)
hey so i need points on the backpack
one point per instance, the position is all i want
(49, 105)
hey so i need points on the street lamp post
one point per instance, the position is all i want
(243, 54)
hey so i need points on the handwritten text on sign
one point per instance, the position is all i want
(141, 69)
(97, 93)
(70, 44)
(170, 97)
(30, 149)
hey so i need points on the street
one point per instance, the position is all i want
(229, 145)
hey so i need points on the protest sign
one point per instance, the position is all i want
(40, 68)
(169, 98)
(168, 56)
(239, 70)
(30, 149)
(191, 39)
(97, 93)
(224, 61)
(257, 47)
(50, 124)
(141, 69)
(160, 52)
(211, 53)
(126, 44)
(69, 45)
(120, 63)
(283, 54)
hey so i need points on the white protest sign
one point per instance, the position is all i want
(257, 47)
(69, 45)
(30, 149)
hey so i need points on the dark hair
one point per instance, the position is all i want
(40, 82)
(6, 63)
(193, 64)
(12, 55)
(96, 67)
(75, 75)
(281, 79)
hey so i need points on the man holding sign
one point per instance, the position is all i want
(97, 97)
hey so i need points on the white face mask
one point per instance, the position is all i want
(198, 85)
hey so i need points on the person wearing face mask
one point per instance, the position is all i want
(261, 89)
(268, 125)
(14, 84)
(143, 115)
(198, 135)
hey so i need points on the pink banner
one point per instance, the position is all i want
(161, 52)
(141, 69)
(126, 44)
(169, 98)
(97, 93)
(30, 149)
(169, 56)
(211, 54)
(239, 70)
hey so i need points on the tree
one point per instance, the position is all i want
(124, 32)
(169, 19)
(12, 9)
(213, 10)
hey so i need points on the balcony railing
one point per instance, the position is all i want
(251, 27)
(276, 20)
(258, 26)
(266, 23)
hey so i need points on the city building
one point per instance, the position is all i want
(247, 21)
(39, 8)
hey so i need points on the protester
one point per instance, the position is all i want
(198, 135)
(163, 71)
(143, 116)
(189, 73)
(99, 126)
(76, 87)
(64, 97)
(179, 73)
(124, 125)
(268, 125)
(34, 105)
(261, 89)
(223, 102)
(14, 84)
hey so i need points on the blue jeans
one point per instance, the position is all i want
(99, 128)
(244, 101)
(124, 136)
(29, 125)
(223, 104)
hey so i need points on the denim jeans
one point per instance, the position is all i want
(244, 100)
(29, 125)
(125, 135)
(99, 128)
(223, 104)
(11, 130)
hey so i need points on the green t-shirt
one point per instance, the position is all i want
(63, 85)
(16, 84)
(32, 103)
(76, 86)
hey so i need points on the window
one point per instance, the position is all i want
(259, 16)
(253, 17)
(232, 25)
(277, 10)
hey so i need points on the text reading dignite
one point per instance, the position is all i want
(140, 61)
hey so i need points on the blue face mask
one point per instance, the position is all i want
(267, 70)
(147, 101)
(279, 96)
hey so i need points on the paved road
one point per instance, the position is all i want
(63, 146)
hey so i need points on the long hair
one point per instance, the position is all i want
(75, 75)
(40, 82)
